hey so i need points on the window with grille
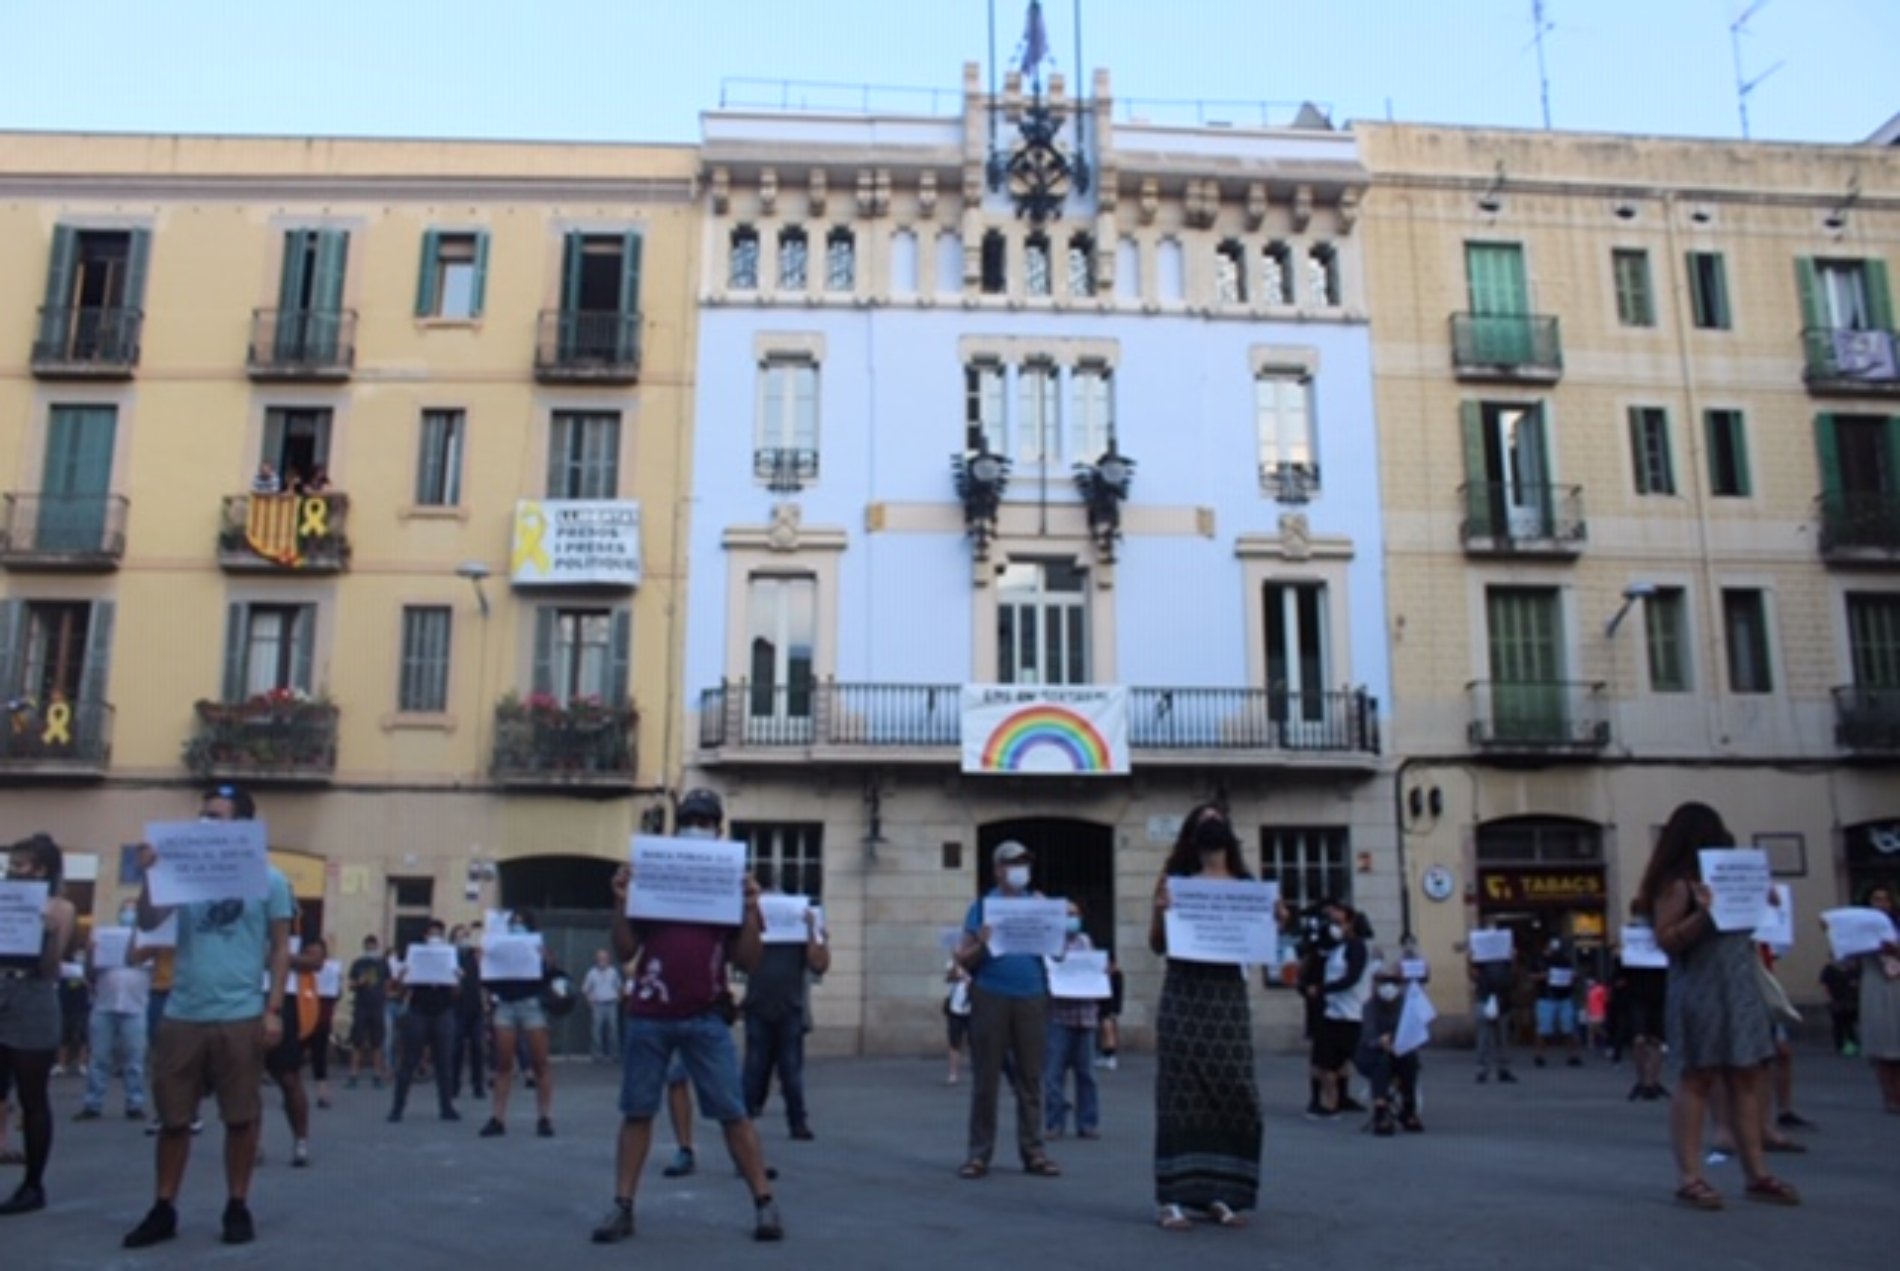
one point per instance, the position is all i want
(742, 271)
(424, 686)
(1081, 266)
(787, 855)
(1276, 274)
(1036, 280)
(794, 259)
(1230, 273)
(1310, 862)
(841, 260)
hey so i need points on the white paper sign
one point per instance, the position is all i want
(330, 979)
(562, 542)
(1738, 881)
(1777, 922)
(1414, 968)
(1640, 950)
(1561, 977)
(71, 971)
(1491, 945)
(687, 880)
(208, 861)
(109, 947)
(435, 964)
(1856, 930)
(785, 918)
(1079, 974)
(506, 957)
(163, 936)
(1026, 924)
(1415, 1022)
(1224, 920)
(23, 917)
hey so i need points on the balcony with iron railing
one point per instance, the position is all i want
(302, 344)
(87, 342)
(279, 736)
(785, 470)
(1860, 528)
(1540, 717)
(78, 532)
(60, 739)
(1510, 347)
(1867, 719)
(1839, 360)
(291, 533)
(574, 346)
(583, 743)
(1521, 520)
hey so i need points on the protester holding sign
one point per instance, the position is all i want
(1556, 979)
(303, 1013)
(1639, 993)
(1071, 1047)
(778, 1009)
(1207, 1107)
(36, 926)
(429, 977)
(1718, 1027)
(1880, 1002)
(122, 988)
(514, 967)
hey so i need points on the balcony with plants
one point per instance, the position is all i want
(542, 741)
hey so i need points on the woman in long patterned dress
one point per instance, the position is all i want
(1717, 1027)
(1207, 1108)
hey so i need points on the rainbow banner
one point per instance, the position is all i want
(1057, 730)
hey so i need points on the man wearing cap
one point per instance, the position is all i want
(219, 1023)
(1009, 1015)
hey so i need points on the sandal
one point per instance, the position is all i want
(973, 1169)
(1171, 1218)
(1223, 1213)
(1772, 1191)
(1699, 1195)
(1042, 1167)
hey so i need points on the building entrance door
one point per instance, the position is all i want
(571, 898)
(1074, 860)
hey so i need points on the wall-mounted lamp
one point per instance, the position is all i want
(1104, 487)
(981, 476)
(1491, 201)
(475, 571)
(1631, 594)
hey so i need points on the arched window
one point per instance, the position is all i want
(1230, 273)
(794, 259)
(1322, 270)
(995, 263)
(1276, 274)
(841, 260)
(1036, 280)
(742, 273)
(1081, 265)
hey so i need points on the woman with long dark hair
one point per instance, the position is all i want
(1717, 1027)
(1880, 1003)
(1207, 1108)
(29, 1016)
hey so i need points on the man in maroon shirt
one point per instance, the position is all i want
(674, 1006)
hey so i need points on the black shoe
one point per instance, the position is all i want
(1505, 1077)
(1659, 1092)
(544, 1128)
(450, 1114)
(1538, 1060)
(160, 1223)
(616, 1226)
(25, 1199)
(1411, 1124)
(135, 1114)
(1483, 1077)
(493, 1130)
(803, 1133)
(1791, 1121)
(1575, 1061)
(395, 1115)
(238, 1227)
(88, 1114)
(1382, 1124)
(683, 1164)
(767, 1225)
(1349, 1104)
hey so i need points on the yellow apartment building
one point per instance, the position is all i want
(347, 470)
(1639, 424)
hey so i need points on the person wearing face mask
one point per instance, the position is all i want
(121, 995)
(469, 1023)
(429, 1024)
(369, 991)
(1556, 980)
(29, 1016)
(518, 1015)
(1072, 1025)
(1379, 1060)
(1344, 987)
(1009, 1016)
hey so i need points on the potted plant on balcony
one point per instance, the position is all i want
(283, 727)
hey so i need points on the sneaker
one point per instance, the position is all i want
(803, 1133)
(1349, 1104)
(450, 1114)
(766, 1223)
(1794, 1121)
(135, 1114)
(493, 1130)
(1505, 1077)
(1575, 1061)
(1483, 1077)
(544, 1128)
(25, 1199)
(1538, 1061)
(300, 1154)
(617, 1225)
(683, 1164)
(238, 1227)
(160, 1223)
(88, 1114)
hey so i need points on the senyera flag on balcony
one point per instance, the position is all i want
(1072, 730)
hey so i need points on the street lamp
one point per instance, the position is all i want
(475, 571)
(1631, 594)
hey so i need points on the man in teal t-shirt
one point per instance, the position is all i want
(219, 1022)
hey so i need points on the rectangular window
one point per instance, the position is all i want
(1295, 624)
(1042, 623)
(452, 268)
(1036, 279)
(584, 455)
(1708, 291)
(1039, 416)
(1230, 274)
(984, 415)
(787, 856)
(54, 666)
(785, 451)
(1745, 629)
(1728, 454)
(278, 642)
(582, 654)
(1666, 628)
(412, 907)
(424, 686)
(1649, 450)
(794, 259)
(1873, 638)
(297, 444)
(439, 459)
(742, 264)
(841, 260)
(1635, 301)
(1283, 426)
(782, 615)
(1310, 862)
(1093, 431)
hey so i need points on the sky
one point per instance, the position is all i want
(642, 70)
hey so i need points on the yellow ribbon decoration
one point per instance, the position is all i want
(316, 519)
(531, 526)
(59, 725)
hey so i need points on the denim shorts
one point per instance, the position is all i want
(703, 1044)
(525, 1015)
(1556, 1016)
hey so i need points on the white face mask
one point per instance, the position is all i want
(1016, 877)
(1388, 992)
(1336, 931)
(697, 832)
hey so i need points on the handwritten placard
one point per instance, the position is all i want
(109, 947)
(1561, 977)
(1777, 922)
(163, 936)
(208, 861)
(435, 964)
(22, 917)
(1026, 924)
(1491, 945)
(1856, 930)
(1223, 920)
(1641, 952)
(687, 880)
(1079, 975)
(785, 918)
(506, 957)
(1738, 882)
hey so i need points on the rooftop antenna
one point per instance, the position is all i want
(1544, 26)
(1743, 85)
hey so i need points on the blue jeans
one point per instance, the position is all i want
(780, 1044)
(154, 1012)
(703, 1043)
(111, 1030)
(605, 1035)
(1070, 1050)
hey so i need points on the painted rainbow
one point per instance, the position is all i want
(1046, 726)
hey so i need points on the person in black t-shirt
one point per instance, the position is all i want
(369, 988)
(430, 1022)
(1556, 979)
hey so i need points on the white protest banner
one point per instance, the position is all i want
(72, 971)
(1640, 950)
(208, 861)
(1856, 930)
(1225, 920)
(330, 979)
(1079, 974)
(23, 918)
(1068, 730)
(1777, 921)
(109, 947)
(163, 936)
(1492, 945)
(1415, 1022)
(434, 964)
(785, 918)
(1026, 924)
(506, 957)
(562, 542)
(1738, 880)
(1561, 977)
(687, 880)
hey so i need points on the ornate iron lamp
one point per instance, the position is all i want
(981, 477)
(1104, 488)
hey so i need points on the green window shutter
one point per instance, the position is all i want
(333, 253)
(426, 274)
(620, 660)
(303, 648)
(92, 684)
(1879, 296)
(1738, 444)
(545, 617)
(630, 272)
(573, 250)
(1639, 466)
(560, 428)
(234, 624)
(478, 290)
(1807, 281)
(290, 281)
(137, 263)
(1479, 497)
(12, 644)
(59, 287)
(1828, 451)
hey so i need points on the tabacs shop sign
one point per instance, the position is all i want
(1532, 888)
(576, 542)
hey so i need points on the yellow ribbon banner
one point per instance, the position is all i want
(59, 725)
(531, 531)
(315, 522)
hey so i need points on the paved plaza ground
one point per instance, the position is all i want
(1557, 1172)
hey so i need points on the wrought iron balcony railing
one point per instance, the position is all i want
(63, 531)
(1506, 346)
(264, 737)
(302, 343)
(542, 742)
(785, 470)
(70, 738)
(1503, 518)
(87, 341)
(1838, 359)
(1542, 716)
(1860, 526)
(1343, 720)
(1867, 719)
(307, 533)
(588, 346)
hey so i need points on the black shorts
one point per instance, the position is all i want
(1334, 1043)
(368, 1029)
(286, 1056)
